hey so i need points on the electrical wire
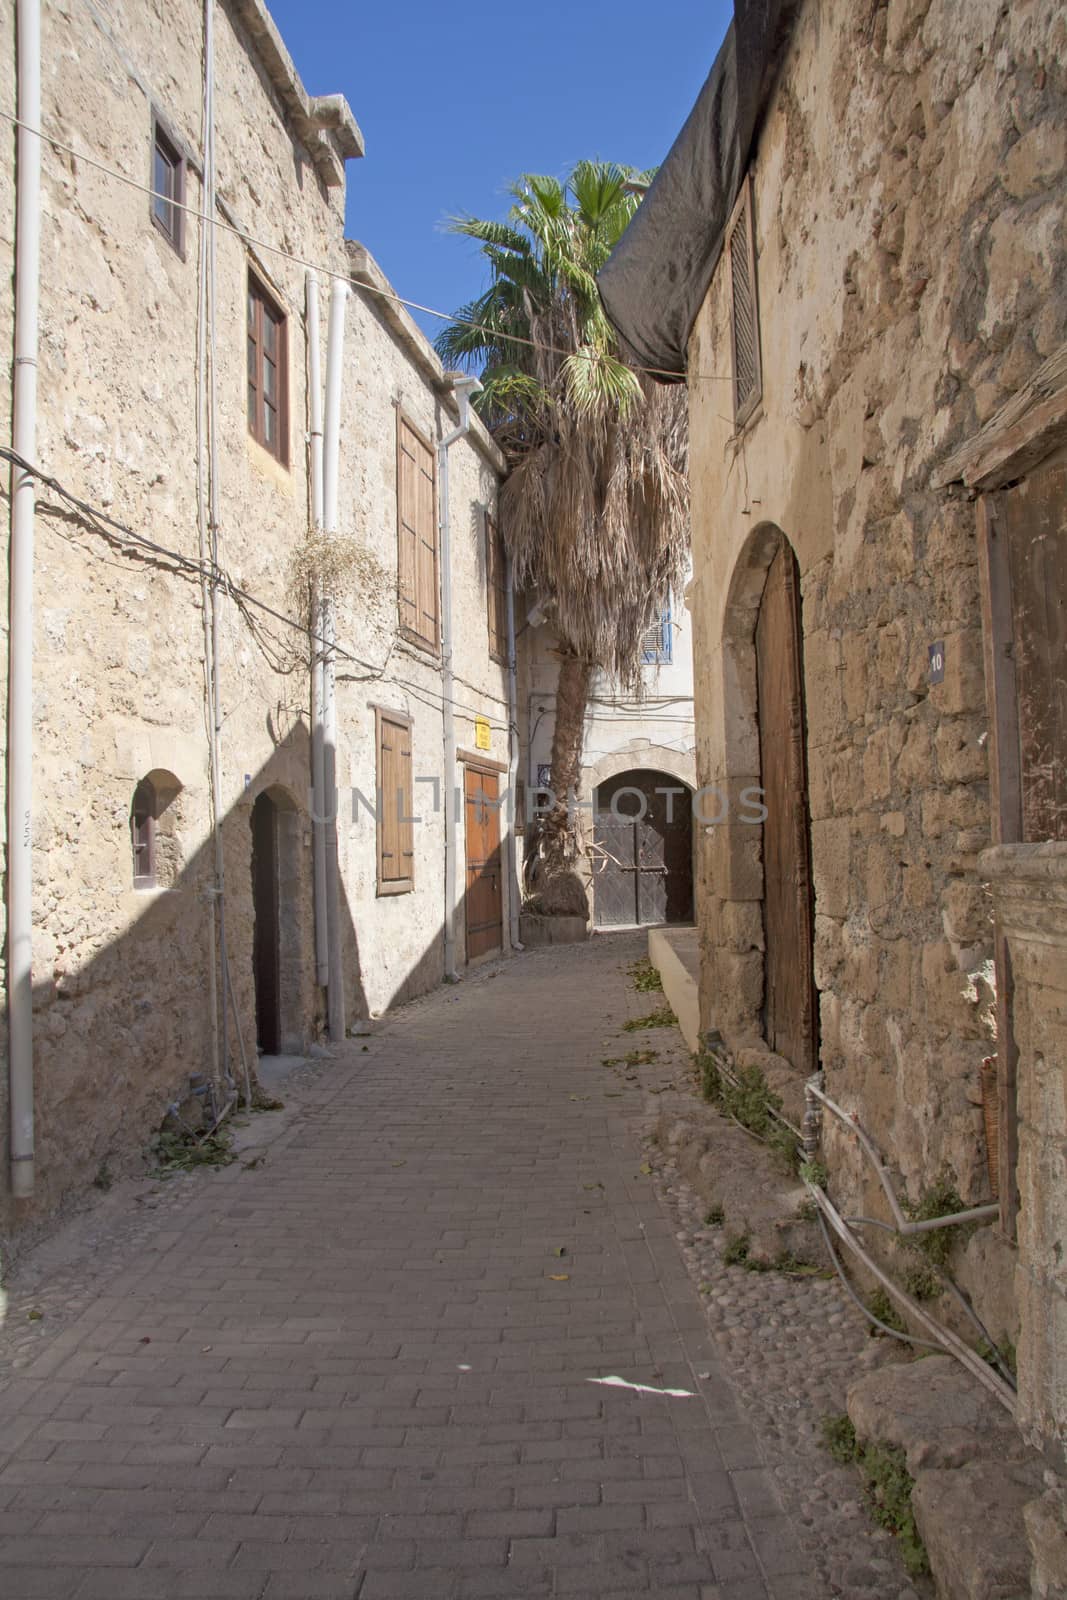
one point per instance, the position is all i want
(130, 543)
(331, 272)
(883, 1327)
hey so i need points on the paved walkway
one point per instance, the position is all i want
(363, 1366)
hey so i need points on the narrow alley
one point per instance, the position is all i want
(361, 1362)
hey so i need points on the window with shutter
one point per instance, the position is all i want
(417, 558)
(396, 836)
(268, 377)
(656, 647)
(744, 307)
(497, 590)
(168, 187)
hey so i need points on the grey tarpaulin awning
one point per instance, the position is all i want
(655, 281)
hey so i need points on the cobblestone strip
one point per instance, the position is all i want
(791, 1345)
(362, 1367)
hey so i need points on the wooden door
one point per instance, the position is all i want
(789, 982)
(265, 932)
(1033, 519)
(485, 899)
(642, 851)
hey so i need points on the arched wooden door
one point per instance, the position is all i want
(642, 850)
(790, 1020)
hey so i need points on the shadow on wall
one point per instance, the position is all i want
(121, 1023)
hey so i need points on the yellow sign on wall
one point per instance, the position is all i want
(481, 733)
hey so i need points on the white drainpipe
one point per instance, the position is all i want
(464, 388)
(318, 777)
(335, 993)
(20, 645)
(513, 768)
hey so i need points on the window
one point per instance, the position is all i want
(143, 835)
(744, 307)
(396, 841)
(657, 645)
(268, 400)
(496, 570)
(168, 185)
(155, 831)
(417, 560)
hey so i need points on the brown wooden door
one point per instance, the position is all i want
(1033, 516)
(485, 899)
(642, 851)
(789, 983)
(265, 933)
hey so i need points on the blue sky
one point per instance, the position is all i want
(454, 101)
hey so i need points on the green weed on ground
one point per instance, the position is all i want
(941, 1199)
(880, 1306)
(751, 1102)
(888, 1486)
(736, 1252)
(181, 1152)
(663, 1018)
(643, 976)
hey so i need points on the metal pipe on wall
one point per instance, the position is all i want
(318, 774)
(513, 765)
(20, 636)
(335, 994)
(464, 388)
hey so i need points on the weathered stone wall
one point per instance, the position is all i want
(911, 252)
(122, 976)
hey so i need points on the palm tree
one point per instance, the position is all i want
(594, 511)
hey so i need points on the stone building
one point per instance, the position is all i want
(855, 255)
(174, 898)
(638, 751)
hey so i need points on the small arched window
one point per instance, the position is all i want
(143, 835)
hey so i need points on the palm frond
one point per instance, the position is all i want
(595, 509)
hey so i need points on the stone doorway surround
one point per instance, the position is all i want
(283, 904)
(1028, 881)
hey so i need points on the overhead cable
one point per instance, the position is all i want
(332, 272)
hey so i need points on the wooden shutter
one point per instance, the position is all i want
(417, 569)
(744, 307)
(496, 590)
(268, 372)
(396, 841)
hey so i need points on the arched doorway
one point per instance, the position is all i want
(279, 905)
(789, 1007)
(266, 939)
(642, 850)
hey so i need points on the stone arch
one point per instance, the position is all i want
(659, 758)
(740, 695)
(155, 830)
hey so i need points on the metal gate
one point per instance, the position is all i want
(642, 850)
(789, 982)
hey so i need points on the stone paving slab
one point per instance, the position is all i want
(362, 1367)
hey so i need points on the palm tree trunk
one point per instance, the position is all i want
(560, 840)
